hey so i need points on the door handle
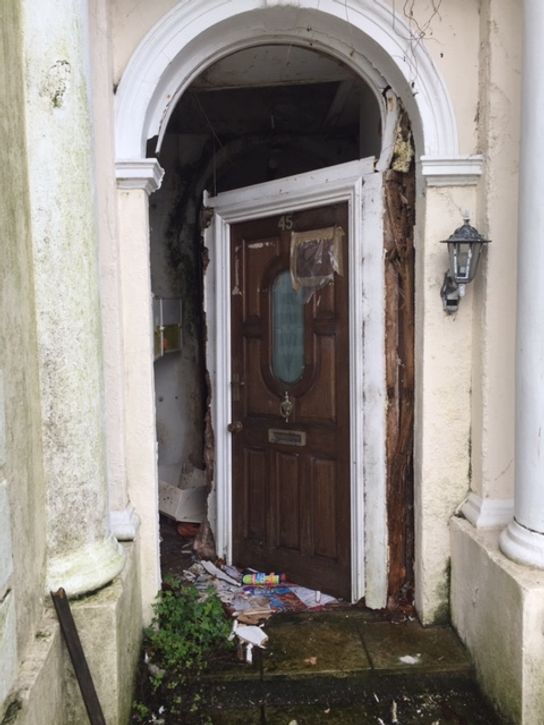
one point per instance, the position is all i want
(235, 427)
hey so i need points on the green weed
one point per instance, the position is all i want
(188, 629)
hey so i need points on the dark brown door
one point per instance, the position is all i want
(290, 410)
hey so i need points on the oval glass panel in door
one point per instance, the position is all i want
(287, 330)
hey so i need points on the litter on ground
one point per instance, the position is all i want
(253, 604)
(254, 599)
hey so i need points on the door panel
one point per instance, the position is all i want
(291, 487)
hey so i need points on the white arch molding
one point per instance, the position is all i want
(195, 34)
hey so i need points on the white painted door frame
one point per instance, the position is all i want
(361, 187)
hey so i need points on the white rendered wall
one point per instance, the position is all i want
(443, 382)
(139, 421)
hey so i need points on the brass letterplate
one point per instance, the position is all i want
(287, 437)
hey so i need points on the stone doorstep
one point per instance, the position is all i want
(341, 646)
(357, 677)
(454, 702)
(339, 690)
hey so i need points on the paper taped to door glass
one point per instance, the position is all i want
(316, 256)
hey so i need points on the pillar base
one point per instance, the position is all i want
(522, 545)
(87, 568)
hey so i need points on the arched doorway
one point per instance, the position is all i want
(183, 44)
(276, 500)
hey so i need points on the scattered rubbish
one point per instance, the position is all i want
(250, 637)
(219, 573)
(253, 601)
(279, 598)
(182, 504)
(154, 671)
(410, 659)
(312, 598)
(250, 634)
(394, 717)
(376, 697)
(254, 618)
(310, 661)
(254, 604)
(261, 578)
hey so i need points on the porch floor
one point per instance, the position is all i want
(350, 666)
(346, 665)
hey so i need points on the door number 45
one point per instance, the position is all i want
(285, 222)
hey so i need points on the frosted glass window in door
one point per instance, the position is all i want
(287, 330)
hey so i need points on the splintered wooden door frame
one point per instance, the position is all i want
(361, 187)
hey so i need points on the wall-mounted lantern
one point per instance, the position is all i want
(464, 247)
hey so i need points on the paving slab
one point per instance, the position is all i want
(310, 647)
(409, 646)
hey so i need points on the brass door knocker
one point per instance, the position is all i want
(286, 407)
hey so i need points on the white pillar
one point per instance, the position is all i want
(523, 539)
(82, 555)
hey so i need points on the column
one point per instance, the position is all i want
(82, 555)
(523, 539)
(135, 181)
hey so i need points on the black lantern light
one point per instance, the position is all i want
(464, 247)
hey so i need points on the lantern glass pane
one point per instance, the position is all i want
(463, 260)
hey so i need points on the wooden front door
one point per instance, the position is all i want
(290, 405)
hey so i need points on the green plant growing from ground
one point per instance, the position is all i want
(188, 629)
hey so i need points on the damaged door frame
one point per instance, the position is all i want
(361, 187)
